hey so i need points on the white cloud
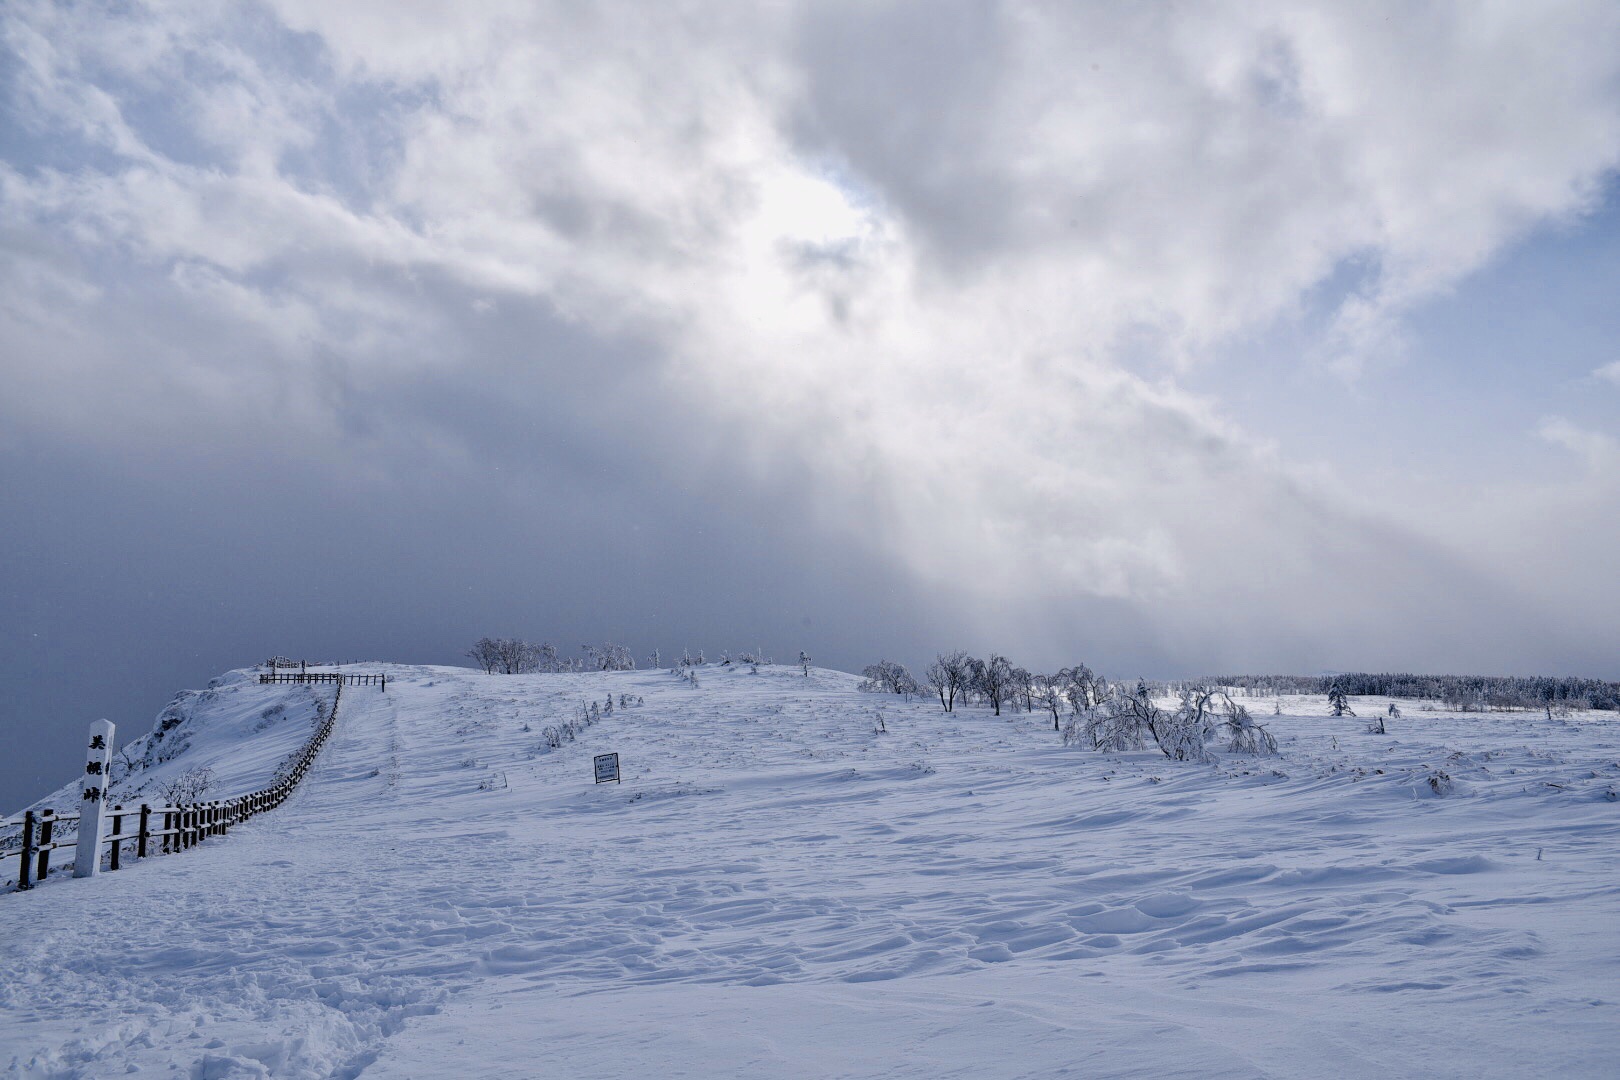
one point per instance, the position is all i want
(911, 245)
(1609, 372)
(1599, 452)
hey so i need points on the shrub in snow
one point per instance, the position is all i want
(1243, 734)
(1180, 734)
(123, 763)
(189, 787)
(1440, 782)
(1127, 721)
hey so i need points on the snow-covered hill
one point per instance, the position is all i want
(780, 889)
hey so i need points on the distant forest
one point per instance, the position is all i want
(1464, 692)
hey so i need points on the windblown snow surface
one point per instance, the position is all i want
(779, 890)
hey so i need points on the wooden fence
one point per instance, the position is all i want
(342, 678)
(147, 830)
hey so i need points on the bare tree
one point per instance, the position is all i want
(994, 679)
(1023, 689)
(516, 656)
(486, 653)
(1084, 688)
(948, 675)
(1046, 691)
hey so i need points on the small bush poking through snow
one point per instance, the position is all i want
(189, 787)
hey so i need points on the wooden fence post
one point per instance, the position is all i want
(47, 826)
(117, 831)
(145, 833)
(97, 771)
(27, 852)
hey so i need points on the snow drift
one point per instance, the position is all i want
(784, 886)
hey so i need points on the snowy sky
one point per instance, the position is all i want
(1171, 338)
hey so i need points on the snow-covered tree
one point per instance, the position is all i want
(1123, 721)
(1243, 734)
(887, 677)
(1084, 688)
(609, 657)
(1338, 701)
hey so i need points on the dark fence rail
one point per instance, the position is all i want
(342, 678)
(147, 830)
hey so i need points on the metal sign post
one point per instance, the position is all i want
(97, 772)
(607, 768)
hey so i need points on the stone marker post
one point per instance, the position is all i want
(97, 771)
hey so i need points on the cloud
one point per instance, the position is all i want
(1599, 452)
(921, 276)
(1609, 372)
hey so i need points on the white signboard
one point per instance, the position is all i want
(607, 768)
(97, 771)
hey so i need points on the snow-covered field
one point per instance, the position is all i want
(779, 890)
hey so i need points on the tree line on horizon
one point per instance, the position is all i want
(1465, 693)
(515, 656)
